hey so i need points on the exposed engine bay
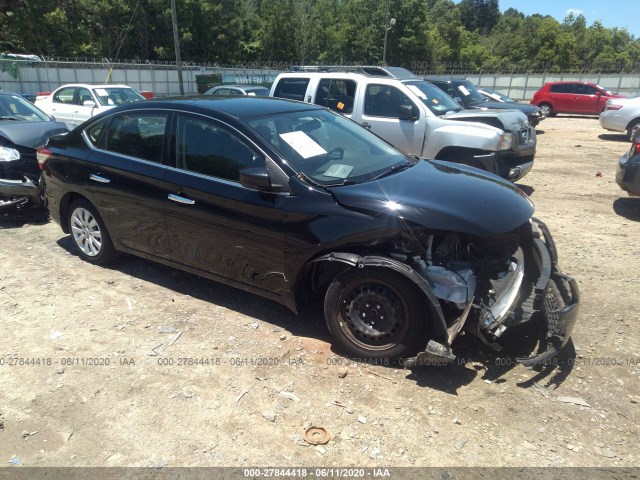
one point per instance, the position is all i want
(485, 285)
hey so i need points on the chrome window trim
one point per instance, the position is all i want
(92, 147)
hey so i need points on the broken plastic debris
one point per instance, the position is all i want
(290, 396)
(574, 400)
(316, 436)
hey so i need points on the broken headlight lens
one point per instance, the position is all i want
(505, 141)
(9, 154)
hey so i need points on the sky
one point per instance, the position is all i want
(611, 13)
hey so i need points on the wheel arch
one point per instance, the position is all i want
(317, 275)
(66, 201)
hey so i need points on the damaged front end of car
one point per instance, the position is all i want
(469, 242)
(486, 285)
(19, 181)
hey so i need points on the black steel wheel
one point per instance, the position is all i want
(375, 313)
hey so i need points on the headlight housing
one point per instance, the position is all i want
(506, 140)
(9, 154)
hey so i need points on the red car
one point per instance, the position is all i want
(572, 97)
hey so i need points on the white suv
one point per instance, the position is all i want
(75, 103)
(417, 117)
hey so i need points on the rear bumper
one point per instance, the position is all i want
(628, 174)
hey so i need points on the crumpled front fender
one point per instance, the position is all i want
(357, 261)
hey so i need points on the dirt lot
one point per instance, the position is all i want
(110, 388)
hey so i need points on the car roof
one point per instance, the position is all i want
(238, 106)
(94, 85)
(445, 79)
(570, 81)
(242, 87)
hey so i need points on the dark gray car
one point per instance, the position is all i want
(23, 128)
(467, 95)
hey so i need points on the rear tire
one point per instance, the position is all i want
(89, 233)
(632, 129)
(547, 109)
(375, 313)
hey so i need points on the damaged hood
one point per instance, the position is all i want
(525, 108)
(30, 134)
(443, 196)
(508, 118)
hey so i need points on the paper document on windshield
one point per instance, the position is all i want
(303, 144)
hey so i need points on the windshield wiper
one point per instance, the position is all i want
(344, 182)
(308, 179)
(9, 118)
(396, 168)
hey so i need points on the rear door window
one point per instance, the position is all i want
(336, 94)
(136, 134)
(291, 88)
(64, 95)
(562, 88)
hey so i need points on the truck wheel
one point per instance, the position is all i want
(374, 313)
(633, 128)
(547, 109)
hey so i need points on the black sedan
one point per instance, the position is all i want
(467, 94)
(628, 173)
(289, 200)
(23, 128)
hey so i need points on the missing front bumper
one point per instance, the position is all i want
(554, 295)
(17, 194)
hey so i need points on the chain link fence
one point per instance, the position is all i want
(44, 75)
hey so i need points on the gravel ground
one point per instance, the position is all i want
(143, 365)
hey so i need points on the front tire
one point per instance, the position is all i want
(89, 233)
(375, 313)
(547, 109)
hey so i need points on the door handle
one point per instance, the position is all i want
(366, 125)
(178, 199)
(98, 178)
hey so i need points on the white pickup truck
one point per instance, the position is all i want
(417, 117)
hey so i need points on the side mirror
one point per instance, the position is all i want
(89, 103)
(406, 112)
(255, 178)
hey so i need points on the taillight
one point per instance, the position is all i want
(636, 147)
(43, 154)
(613, 106)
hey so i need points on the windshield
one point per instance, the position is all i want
(15, 108)
(501, 96)
(436, 100)
(470, 93)
(327, 148)
(117, 96)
